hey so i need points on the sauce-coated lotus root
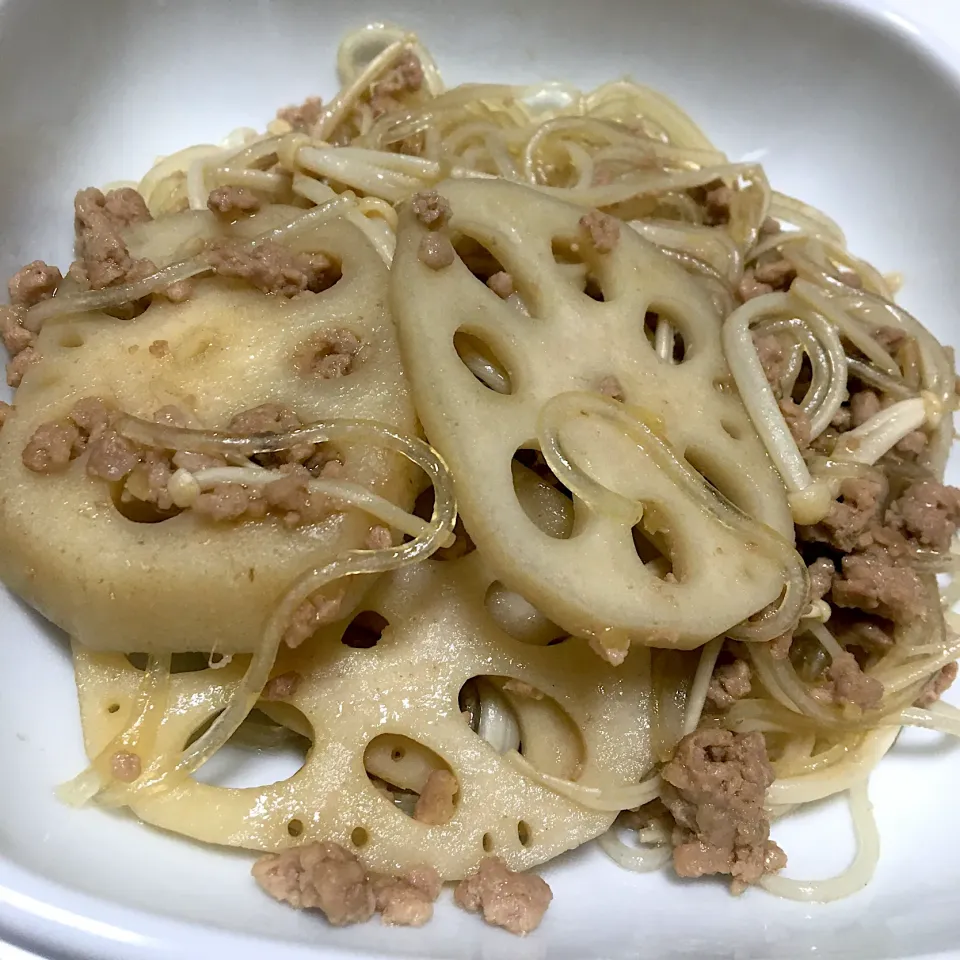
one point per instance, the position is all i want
(190, 582)
(358, 704)
(573, 333)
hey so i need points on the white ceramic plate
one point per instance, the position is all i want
(856, 112)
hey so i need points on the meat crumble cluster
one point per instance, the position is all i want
(329, 878)
(149, 475)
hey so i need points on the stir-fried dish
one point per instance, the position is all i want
(539, 472)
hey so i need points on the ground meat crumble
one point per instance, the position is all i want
(100, 218)
(766, 276)
(610, 387)
(329, 355)
(876, 583)
(861, 554)
(602, 229)
(435, 805)
(112, 457)
(404, 78)
(750, 288)
(821, 572)
(715, 198)
(282, 687)
(927, 512)
(937, 685)
(310, 616)
(853, 518)
(146, 473)
(501, 283)
(406, 900)
(289, 496)
(514, 901)
(15, 336)
(378, 538)
(303, 116)
(431, 209)
(232, 202)
(715, 788)
(730, 682)
(17, 368)
(329, 878)
(272, 267)
(52, 447)
(864, 404)
(125, 766)
(845, 682)
(35, 282)
(19, 343)
(319, 876)
(436, 251)
(775, 272)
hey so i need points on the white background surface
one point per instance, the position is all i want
(914, 813)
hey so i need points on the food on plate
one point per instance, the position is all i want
(537, 472)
